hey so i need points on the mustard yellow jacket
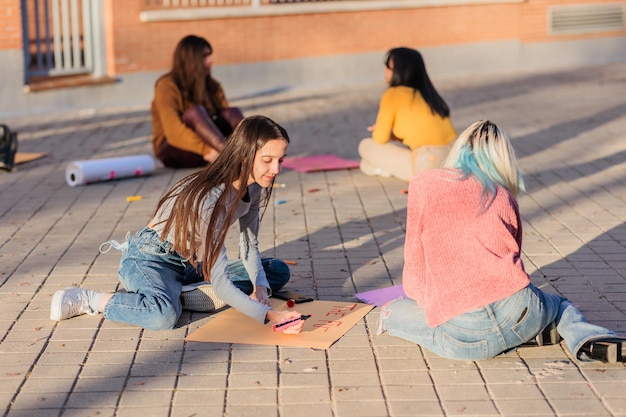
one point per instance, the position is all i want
(167, 110)
(404, 113)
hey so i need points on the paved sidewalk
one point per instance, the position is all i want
(345, 231)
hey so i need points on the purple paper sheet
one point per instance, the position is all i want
(313, 163)
(381, 296)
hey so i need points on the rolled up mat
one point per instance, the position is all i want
(96, 170)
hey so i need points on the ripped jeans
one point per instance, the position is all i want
(153, 275)
(488, 331)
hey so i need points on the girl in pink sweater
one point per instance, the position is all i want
(468, 295)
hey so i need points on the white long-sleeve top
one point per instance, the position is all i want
(247, 213)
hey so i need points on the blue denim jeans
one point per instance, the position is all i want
(153, 274)
(488, 331)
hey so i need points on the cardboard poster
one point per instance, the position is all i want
(23, 157)
(328, 322)
(319, 163)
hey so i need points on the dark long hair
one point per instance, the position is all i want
(409, 70)
(188, 72)
(234, 163)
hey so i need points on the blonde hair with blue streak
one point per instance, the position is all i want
(484, 151)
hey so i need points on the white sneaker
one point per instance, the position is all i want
(200, 298)
(69, 303)
(382, 173)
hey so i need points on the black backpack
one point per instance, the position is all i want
(8, 148)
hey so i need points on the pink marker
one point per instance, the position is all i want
(289, 323)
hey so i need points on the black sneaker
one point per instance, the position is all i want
(606, 350)
(548, 336)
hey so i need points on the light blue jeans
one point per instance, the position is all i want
(153, 275)
(499, 327)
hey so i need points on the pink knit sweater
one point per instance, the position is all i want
(457, 259)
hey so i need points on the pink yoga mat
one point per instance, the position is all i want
(314, 163)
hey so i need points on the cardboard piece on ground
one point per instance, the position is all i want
(23, 157)
(381, 296)
(314, 163)
(328, 322)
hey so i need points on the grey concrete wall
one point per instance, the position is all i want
(244, 80)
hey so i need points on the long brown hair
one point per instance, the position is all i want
(188, 72)
(235, 163)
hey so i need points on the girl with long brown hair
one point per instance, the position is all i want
(184, 241)
(191, 117)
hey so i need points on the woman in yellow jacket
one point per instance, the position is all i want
(413, 131)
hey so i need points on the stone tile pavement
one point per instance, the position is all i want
(345, 231)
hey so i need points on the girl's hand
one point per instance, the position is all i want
(260, 294)
(370, 128)
(211, 156)
(277, 316)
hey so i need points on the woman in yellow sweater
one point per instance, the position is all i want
(191, 117)
(413, 131)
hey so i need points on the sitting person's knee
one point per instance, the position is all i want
(165, 316)
(164, 322)
(277, 272)
(195, 115)
(233, 115)
(364, 146)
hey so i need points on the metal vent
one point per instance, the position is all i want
(567, 20)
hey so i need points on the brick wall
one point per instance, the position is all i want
(148, 46)
(135, 46)
(10, 25)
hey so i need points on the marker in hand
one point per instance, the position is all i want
(288, 323)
